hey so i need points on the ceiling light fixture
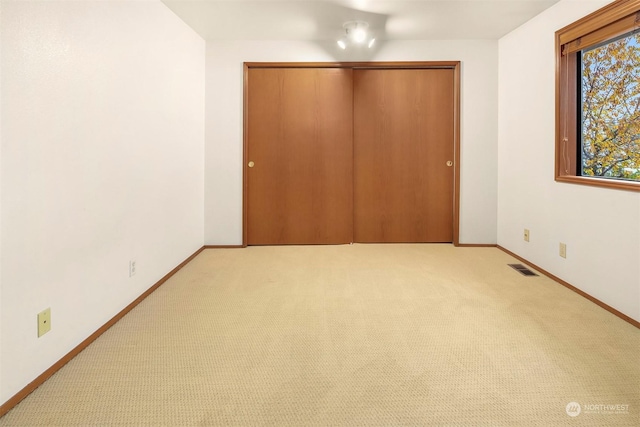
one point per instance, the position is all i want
(356, 34)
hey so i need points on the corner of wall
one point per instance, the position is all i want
(528, 196)
(110, 97)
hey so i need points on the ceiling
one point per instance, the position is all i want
(323, 19)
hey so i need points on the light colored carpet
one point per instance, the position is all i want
(350, 335)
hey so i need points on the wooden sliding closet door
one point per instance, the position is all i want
(300, 154)
(403, 139)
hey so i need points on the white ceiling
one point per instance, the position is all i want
(323, 19)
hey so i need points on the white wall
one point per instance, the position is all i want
(102, 110)
(1, 44)
(601, 227)
(223, 176)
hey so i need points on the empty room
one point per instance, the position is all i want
(319, 212)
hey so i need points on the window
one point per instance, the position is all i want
(598, 98)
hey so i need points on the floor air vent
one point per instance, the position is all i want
(522, 269)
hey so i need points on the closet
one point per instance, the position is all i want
(341, 153)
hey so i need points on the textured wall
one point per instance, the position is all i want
(601, 227)
(102, 144)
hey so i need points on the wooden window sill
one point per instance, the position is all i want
(600, 182)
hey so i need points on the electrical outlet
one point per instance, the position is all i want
(563, 250)
(526, 235)
(44, 322)
(132, 268)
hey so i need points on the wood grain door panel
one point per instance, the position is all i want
(300, 141)
(403, 139)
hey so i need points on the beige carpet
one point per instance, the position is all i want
(357, 335)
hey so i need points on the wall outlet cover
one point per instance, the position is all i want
(44, 322)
